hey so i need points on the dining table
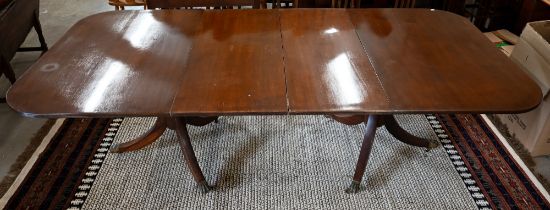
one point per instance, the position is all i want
(188, 67)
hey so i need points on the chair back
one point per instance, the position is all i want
(120, 4)
(222, 4)
(279, 3)
(404, 3)
(345, 3)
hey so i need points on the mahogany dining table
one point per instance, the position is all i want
(187, 67)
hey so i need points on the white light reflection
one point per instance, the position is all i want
(114, 72)
(345, 84)
(143, 31)
(331, 31)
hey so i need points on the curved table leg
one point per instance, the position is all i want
(189, 154)
(156, 131)
(151, 136)
(372, 123)
(402, 135)
(364, 154)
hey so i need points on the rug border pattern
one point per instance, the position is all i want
(83, 189)
(86, 184)
(458, 162)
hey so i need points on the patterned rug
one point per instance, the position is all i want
(299, 162)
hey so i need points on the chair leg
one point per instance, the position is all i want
(9, 73)
(6, 68)
(38, 28)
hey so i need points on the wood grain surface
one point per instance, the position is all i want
(235, 66)
(326, 67)
(110, 64)
(305, 61)
(436, 61)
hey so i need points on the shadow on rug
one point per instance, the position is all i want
(300, 162)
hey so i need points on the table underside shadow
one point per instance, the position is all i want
(179, 124)
(161, 124)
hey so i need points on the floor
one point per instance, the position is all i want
(543, 166)
(57, 16)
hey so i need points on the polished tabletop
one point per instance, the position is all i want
(297, 61)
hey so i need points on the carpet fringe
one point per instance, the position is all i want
(24, 157)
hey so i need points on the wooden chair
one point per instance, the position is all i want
(279, 3)
(208, 4)
(489, 15)
(17, 18)
(345, 3)
(404, 3)
(357, 3)
(120, 4)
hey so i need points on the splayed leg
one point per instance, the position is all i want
(402, 135)
(189, 154)
(147, 138)
(366, 147)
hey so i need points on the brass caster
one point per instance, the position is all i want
(115, 148)
(355, 187)
(432, 145)
(204, 187)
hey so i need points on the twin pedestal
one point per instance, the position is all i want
(180, 125)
